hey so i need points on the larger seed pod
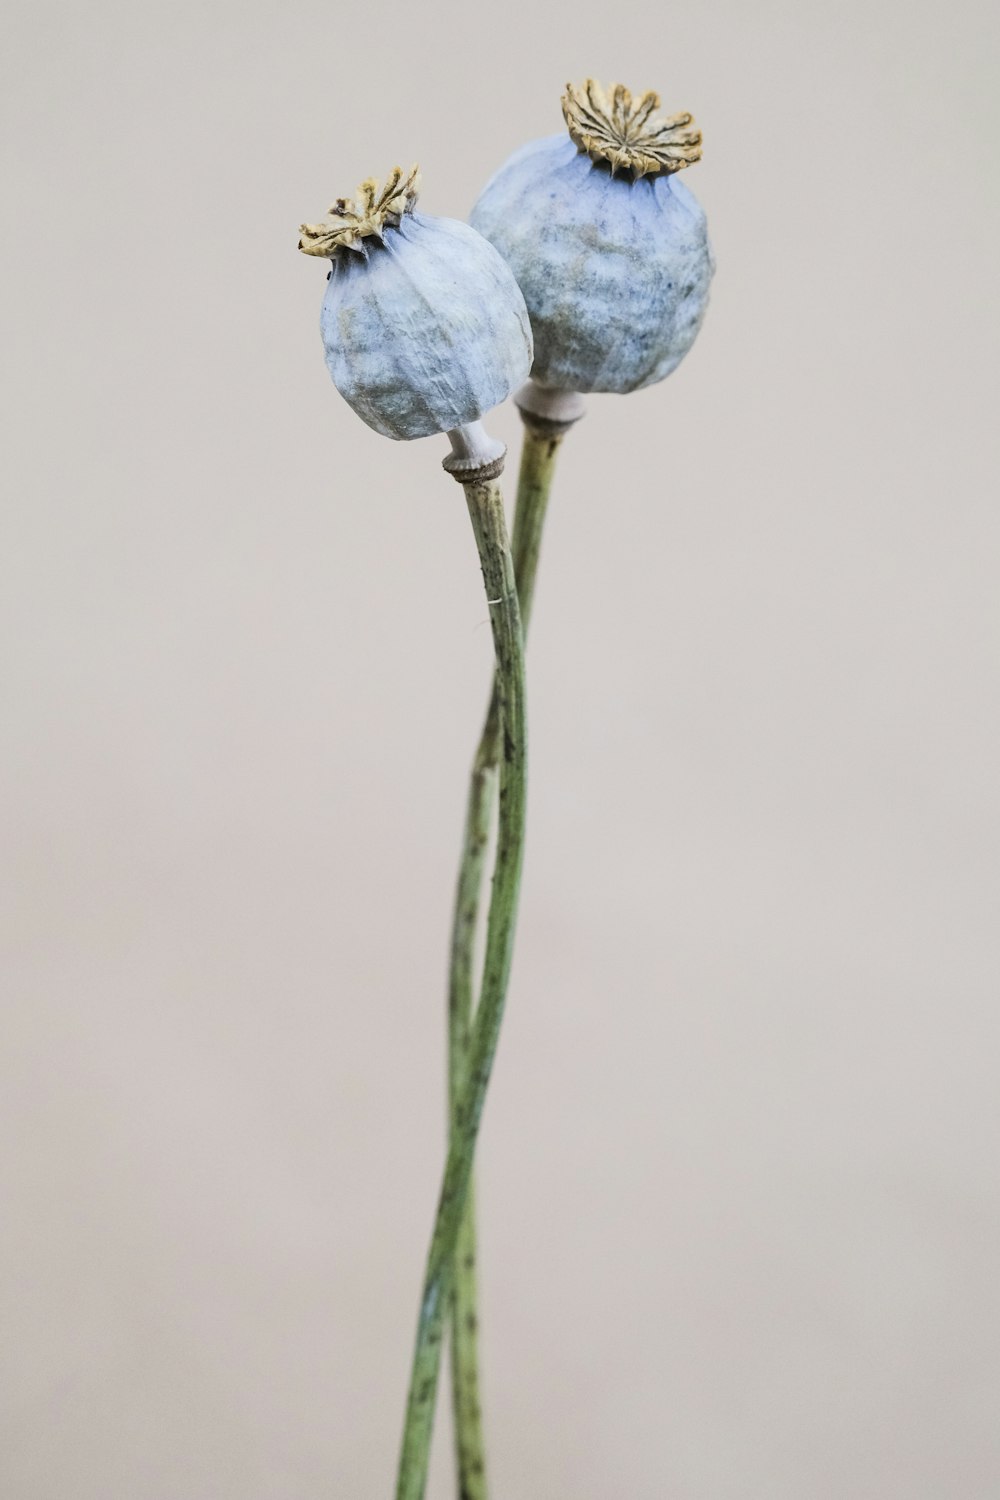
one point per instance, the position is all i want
(424, 326)
(610, 250)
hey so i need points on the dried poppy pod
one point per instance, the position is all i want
(610, 250)
(424, 326)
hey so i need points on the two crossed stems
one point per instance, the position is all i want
(449, 1279)
(537, 465)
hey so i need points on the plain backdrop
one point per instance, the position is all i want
(739, 1172)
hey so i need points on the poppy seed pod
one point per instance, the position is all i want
(609, 249)
(424, 326)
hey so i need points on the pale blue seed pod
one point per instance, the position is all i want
(424, 326)
(610, 250)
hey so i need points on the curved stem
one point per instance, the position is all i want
(538, 457)
(489, 525)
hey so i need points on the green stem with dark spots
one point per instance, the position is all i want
(489, 525)
(538, 458)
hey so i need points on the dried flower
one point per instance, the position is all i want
(423, 323)
(610, 250)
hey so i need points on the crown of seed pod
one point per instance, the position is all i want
(424, 326)
(610, 250)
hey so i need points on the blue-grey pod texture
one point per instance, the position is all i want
(424, 326)
(426, 331)
(615, 267)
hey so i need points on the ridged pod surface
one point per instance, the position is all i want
(425, 331)
(424, 326)
(615, 268)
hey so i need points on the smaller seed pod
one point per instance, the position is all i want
(609, 249)
(424, 326)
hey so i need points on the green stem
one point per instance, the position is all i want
(538, 457)
(538, 463)
(489, 525)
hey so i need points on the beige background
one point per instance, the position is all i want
(740, 1194)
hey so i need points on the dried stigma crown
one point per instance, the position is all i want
(350, 220)
(626, 133)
